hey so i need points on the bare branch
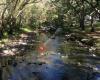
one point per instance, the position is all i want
(27, 2)
(35, 1)
(2, 4)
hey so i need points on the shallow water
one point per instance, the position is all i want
(56, 70)
(45, 71)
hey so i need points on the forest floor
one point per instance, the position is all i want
(20, 44)
(28, 41)
(96, 36)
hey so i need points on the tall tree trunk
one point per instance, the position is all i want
(82, 16)
(92, 27)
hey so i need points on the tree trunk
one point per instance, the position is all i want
(99, 17)
(92, 27)
(82, 16)
(1, 71)
(60, 20)
(1, 34)
(82, 26)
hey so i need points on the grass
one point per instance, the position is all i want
(26, 29)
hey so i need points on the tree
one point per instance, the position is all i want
(12, 13)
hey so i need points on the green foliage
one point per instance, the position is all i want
(59, 13)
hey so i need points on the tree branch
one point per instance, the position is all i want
(2, 4)
(94, 7)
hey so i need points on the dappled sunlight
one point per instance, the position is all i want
(49, 39)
